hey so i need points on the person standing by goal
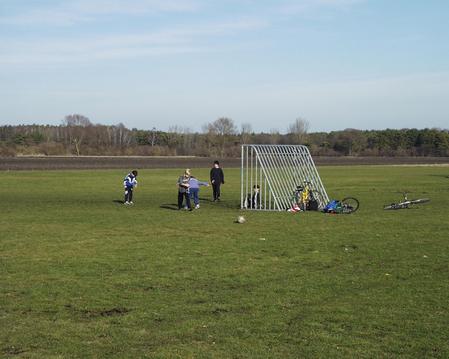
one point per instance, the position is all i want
(130, 183)
(217, 179)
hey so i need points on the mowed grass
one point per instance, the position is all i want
(85, 276)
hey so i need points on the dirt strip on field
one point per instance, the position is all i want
(100, 162)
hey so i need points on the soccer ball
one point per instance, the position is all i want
(241, 219)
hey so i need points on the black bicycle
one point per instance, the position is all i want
(349, 205)
(406, 203)
(305, 197)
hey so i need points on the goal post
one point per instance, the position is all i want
(270, 174)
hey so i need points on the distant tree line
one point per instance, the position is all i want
(77, 135)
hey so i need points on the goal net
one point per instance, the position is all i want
(271, 175)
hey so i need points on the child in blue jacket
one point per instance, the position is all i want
(194, 188)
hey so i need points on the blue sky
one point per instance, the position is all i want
(367, 64)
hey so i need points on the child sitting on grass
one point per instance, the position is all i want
(253, 201)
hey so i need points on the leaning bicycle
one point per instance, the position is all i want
(406, 203)
(305, 198)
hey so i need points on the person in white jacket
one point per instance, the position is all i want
(130, 183)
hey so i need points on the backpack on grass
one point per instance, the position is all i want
(331, 206)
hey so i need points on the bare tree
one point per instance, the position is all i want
(173, 138)
(76, 120)
(246, 132)
(153, 136)
(298, 130)
(222, 128)
(187, 140)
(124, 138)
(274, 136)
(208, 138)
(76, 125)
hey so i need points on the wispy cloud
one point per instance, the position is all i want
(71, 12)
(307, 6)
(113, 46)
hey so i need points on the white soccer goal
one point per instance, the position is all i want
(270, 175)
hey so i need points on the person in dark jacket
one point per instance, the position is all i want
(253, 201)
(217, 179)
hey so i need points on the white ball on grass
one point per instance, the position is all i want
(241, 219)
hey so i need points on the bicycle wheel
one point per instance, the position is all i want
(349, 205)
(314, 194)
(420, 200)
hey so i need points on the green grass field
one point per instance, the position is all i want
(83, 276)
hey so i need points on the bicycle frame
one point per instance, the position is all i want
(406, 203)
(302, 196)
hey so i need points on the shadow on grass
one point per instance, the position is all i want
(91, 313)
(119, 201)
(171, 206)
(12, 350)
(227, 204)
(221, 202)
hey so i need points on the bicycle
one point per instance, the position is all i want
(304, 197)
(406, 203)
(347, 205)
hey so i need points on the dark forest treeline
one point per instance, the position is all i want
(78, 136)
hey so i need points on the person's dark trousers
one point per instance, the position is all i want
(194, 192)
(181, 196)
(216, 190)
(128, 194)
